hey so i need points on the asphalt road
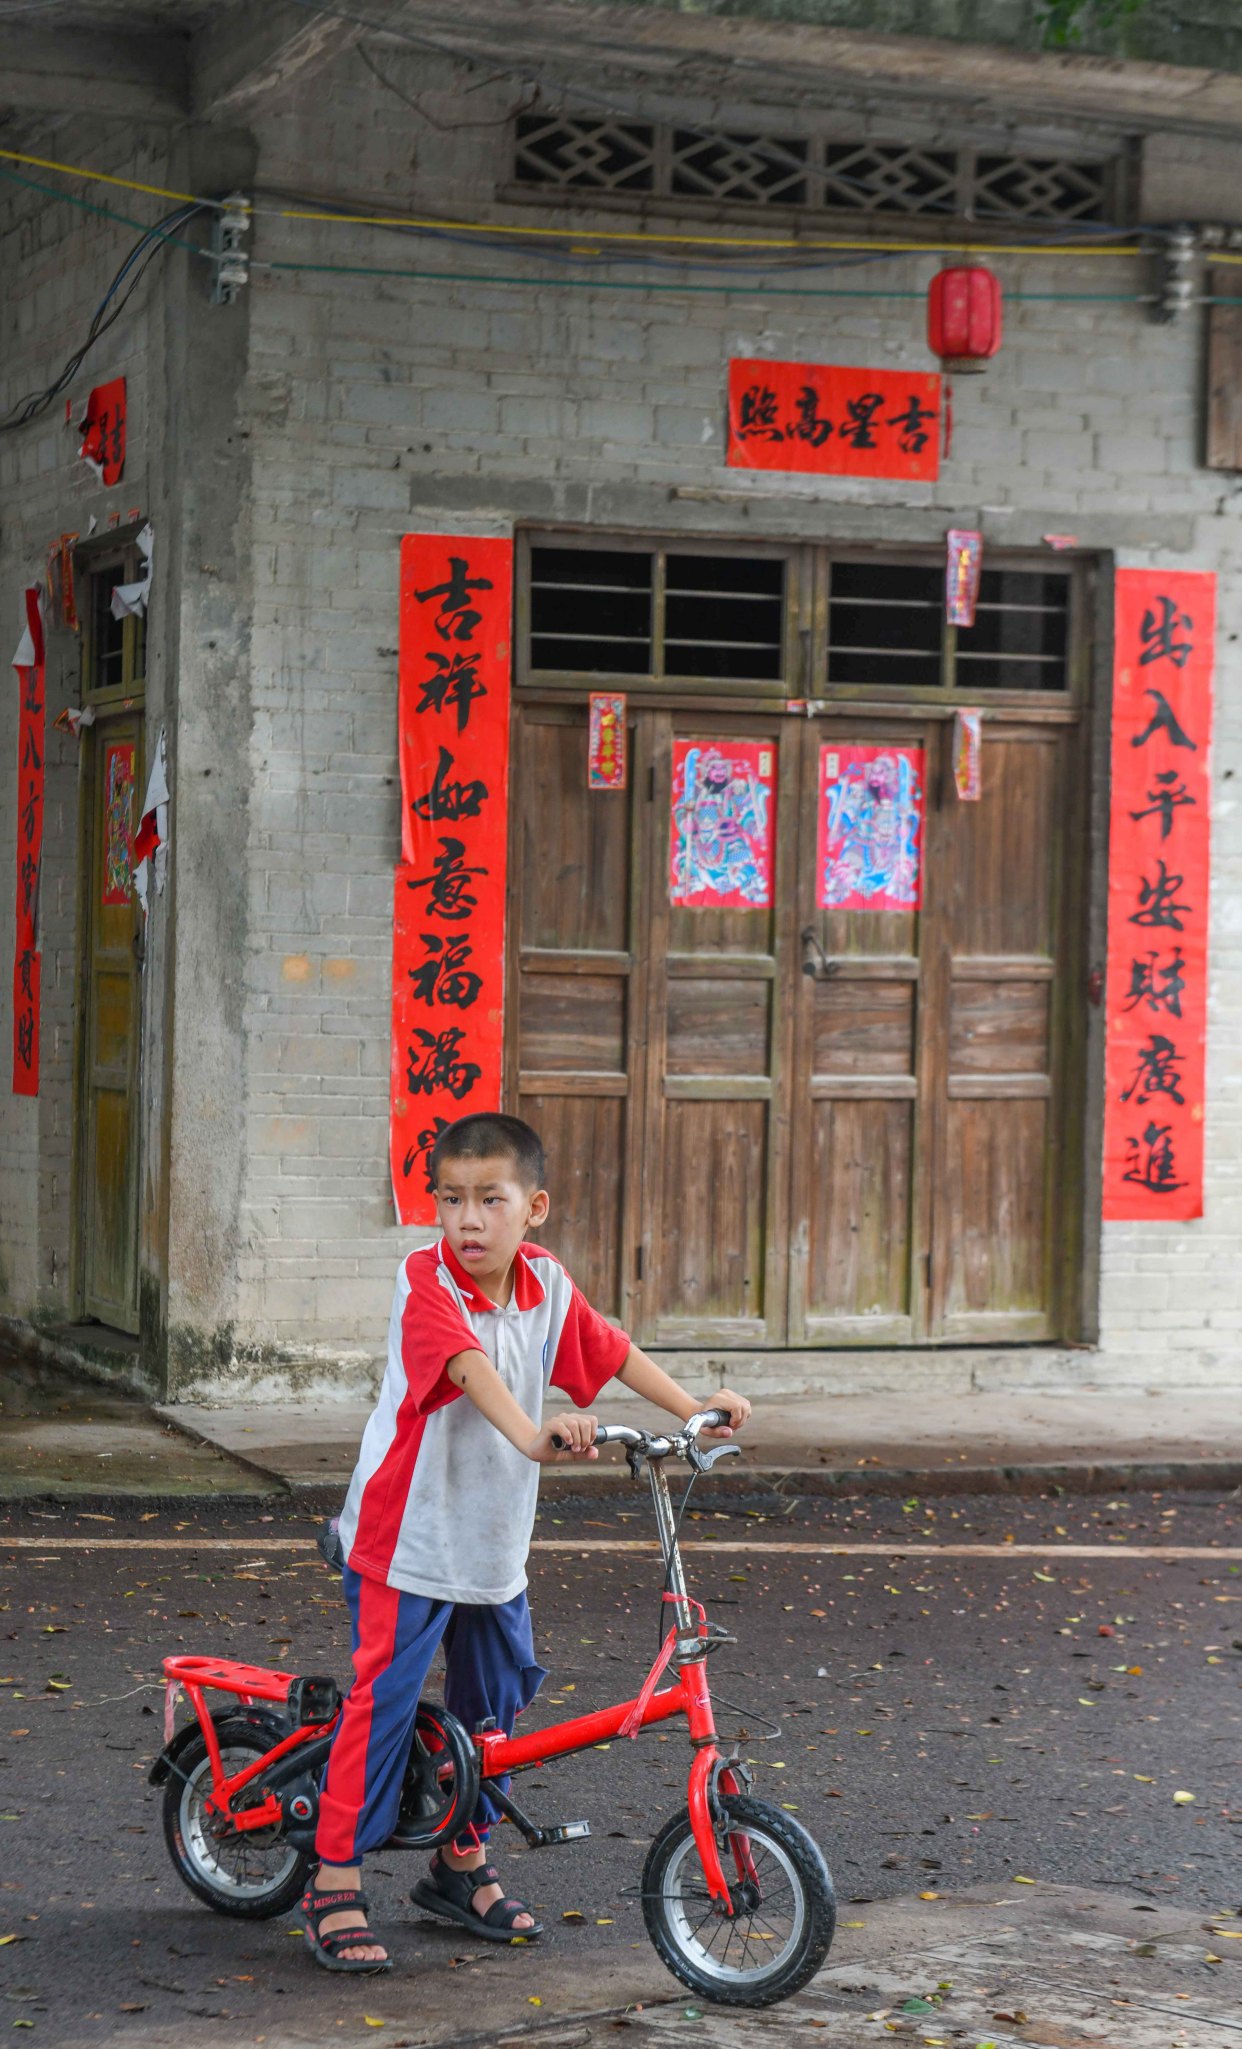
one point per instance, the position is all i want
(973, 1714)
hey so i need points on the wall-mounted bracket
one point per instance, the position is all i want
(231, 258)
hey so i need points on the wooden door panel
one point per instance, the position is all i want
(584, 1137)
(863, 1027)
(861, 1084)
(573, 1021)
(858, 1229)
(713, 1214)
(574, 1039)
(995, 1175)
(1001, 1114)
(998, 1026)
(573, 867)
(1005, 848)
(108, 1176)
(718, 1027)
(715, 1241)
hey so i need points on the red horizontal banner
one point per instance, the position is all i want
(1158, 874)
(834, 420)
(449, 892)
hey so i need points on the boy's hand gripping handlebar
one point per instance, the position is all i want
(681, 1443)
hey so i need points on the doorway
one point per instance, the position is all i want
(812, 1119)
(106, 1148)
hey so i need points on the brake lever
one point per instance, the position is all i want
(703, 1461)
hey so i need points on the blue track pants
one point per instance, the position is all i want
(490, 1670)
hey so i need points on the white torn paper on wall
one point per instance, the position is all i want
(132, 597)
(151, 838)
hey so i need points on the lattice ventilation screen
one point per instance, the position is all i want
(586, 153)
(628, 612)
(886, 630)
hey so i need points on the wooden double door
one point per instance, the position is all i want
(798, 1126)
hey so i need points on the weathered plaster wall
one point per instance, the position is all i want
(56, 260)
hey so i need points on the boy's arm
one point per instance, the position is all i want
(645, 1378)
(475, 1375)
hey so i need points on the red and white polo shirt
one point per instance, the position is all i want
(440, 1502)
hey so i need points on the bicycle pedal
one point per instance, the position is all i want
(566, 1832)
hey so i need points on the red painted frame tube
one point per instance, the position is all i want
(501, 1754)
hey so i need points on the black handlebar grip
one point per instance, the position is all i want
(558, 1442)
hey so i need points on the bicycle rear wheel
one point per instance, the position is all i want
(784, 1910)
(253, 1873)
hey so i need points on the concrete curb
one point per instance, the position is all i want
(277, 1482)
(789, 1483)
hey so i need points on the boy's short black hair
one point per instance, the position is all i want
(489, 1136)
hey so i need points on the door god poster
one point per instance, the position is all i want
(723, 807)
(449, 891)
(870, 832)
(1158, 869)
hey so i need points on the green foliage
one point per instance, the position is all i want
(1065, 22)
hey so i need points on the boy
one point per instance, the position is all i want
(436, 1527)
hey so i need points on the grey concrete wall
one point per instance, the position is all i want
(57, 259)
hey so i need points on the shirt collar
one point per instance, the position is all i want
(527, 1287)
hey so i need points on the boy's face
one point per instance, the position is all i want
(485, 1211)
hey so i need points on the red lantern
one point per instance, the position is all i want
(964, 317)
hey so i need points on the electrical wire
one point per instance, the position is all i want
(35, 403)
(506, 231)
(526, 281)
(754, 290)
(20, 156)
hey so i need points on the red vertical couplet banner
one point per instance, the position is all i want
(449, 891)
(29, 664)
(1158, 873)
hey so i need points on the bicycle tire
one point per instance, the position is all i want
(674, 1891)
(197, 1846)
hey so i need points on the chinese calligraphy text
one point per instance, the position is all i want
(833, 419)
(1158, 894)
(29, 664)
(449, 892)
(103, 431)
(607, 735)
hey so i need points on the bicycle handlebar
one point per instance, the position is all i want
(656, 1445)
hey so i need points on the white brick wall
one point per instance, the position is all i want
(377, 405)
(406, 403)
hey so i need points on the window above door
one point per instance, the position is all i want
(702, 618)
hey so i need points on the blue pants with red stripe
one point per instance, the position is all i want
(490, 1670)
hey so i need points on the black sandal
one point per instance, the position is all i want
(326, 1949)
(451, 1893)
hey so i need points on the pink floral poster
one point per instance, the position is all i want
(870, 840)
(723, 812)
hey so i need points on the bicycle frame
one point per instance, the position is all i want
(685, 1648)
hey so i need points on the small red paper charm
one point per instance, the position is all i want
(449, 892)
(833, 420)
(607, 758)
(962, 573)
(1158, 872)
(29, 664)
(102, 427)
(968, 755)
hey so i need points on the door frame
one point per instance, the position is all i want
(1074, 1228)
(94, 558)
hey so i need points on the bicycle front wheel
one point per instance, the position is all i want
(783, 1915)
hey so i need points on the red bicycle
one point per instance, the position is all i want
(736, 1895)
